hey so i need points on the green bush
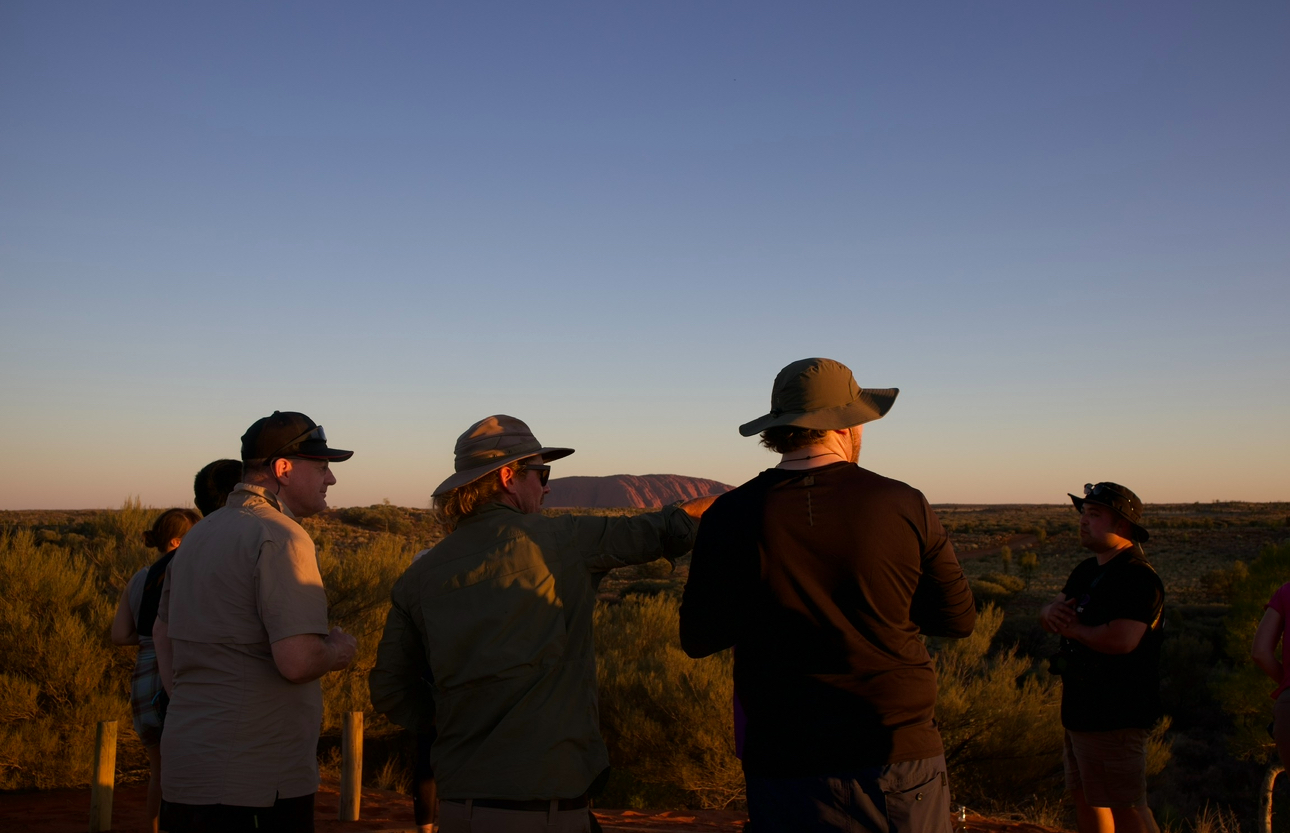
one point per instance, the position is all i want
(59, 673)
(667, 719)
(1244, 690)
(1000, 720)
(358, 583)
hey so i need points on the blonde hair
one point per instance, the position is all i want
(455, 505)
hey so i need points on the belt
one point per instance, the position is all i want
(532, 805)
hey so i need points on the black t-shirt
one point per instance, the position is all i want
(1104, 692)
(824, 581)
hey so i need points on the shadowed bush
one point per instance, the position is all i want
(358, 583)
(667, 719)
(1245, 690)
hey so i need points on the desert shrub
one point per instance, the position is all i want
(667, 719)
(382, 517)
(1219, 584)
(59, 674)
(1000, 720)
(992, 588)
(1243, 690)
(358, 583)
(1005, 556)
(1029, 562)
(1012, 584)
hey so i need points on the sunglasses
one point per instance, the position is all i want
(544, 473)
(1100, 489)
(315, 433)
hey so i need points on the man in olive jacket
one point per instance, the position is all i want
(489, 638)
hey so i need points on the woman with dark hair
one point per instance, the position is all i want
(133, 626)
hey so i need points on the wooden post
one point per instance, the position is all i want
(1265, 795)
(351, 766)
(104, 777)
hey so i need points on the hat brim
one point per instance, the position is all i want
(871, 404)
(462, 478)
(1139, 533)
(332, 455)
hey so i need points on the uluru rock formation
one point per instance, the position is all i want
(644, 491)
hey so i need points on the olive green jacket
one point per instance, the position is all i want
(489, 641)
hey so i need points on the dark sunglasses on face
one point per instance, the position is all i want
(544, 472)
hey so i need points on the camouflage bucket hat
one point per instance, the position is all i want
(1118, 499)
(821, 394)
(491, 443)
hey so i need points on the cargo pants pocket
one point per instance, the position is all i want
(923, 808)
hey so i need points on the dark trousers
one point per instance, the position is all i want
(425, 796)
(288, 815)
(908, 797)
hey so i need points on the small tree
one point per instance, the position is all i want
(1005, 555)
(1029, 561)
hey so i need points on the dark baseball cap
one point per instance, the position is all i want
(288, 434)
(1117, 498)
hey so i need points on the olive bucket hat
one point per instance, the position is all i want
(491, 443)
(821, 394)
(1118, 499)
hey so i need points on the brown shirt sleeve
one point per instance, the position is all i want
(289, 588)
(943, 603)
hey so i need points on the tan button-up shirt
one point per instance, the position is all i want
(237, 732)
(498, 615)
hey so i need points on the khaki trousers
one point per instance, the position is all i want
(464, 817)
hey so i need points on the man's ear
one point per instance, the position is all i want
(507, 475)
(281, 467)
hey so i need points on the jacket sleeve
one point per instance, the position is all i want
(942, 603)
(400, 682)
(718, 591)
(617, 542)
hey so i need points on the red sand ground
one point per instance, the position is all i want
(68, 811)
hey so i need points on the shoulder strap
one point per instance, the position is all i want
(152, 584)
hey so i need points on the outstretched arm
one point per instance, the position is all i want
(1266, 637)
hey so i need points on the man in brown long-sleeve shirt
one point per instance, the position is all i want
(824, 575)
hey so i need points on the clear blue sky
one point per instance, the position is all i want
(1063, 230)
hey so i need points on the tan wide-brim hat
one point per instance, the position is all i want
(491, 443)
(821, 394)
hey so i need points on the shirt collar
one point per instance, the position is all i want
(251, 492)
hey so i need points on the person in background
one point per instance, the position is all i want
(1273, 628)
(133, 626)
(1109, 618)
(214, 483)
(825, 576)
(242, 641)
(494, 623)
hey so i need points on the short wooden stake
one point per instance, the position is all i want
(104, 777)
(351, 766)
(1265, 795)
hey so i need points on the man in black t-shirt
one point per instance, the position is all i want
(824, 576)
(1109, 617)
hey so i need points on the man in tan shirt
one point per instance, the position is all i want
(243, 619)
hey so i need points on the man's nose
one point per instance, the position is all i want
(330, 479)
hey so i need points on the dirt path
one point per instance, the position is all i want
(68, 811)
